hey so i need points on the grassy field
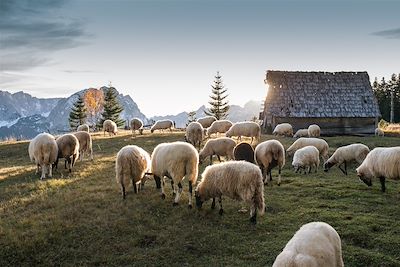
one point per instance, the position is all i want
(80, 219)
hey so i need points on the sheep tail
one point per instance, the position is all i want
(259, 201)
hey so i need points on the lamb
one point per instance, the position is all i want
(239, 180)
(220, 126)
(136, 124)
(379, 132)
(162, 125)
(382, 163)
(194, 134)
(110, 127)
(346, 154)
(301, 133)
(284, 129)
(85, 143)
(132, 164)
(206, 121)
(222, 146)
(83, 127)
(314, 244)
(307, 156)
(270, 154)
(244, 151)
(246, 128)
(68, 148)
(314, 131)
(175, 160)
(43, 152)
(320, 144)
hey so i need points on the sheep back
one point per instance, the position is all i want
(270, 153)
(194, 133)
(379, 132)
(85, 143)
(244, 151)
(306, 156)
(284, 129)
(221, 146)
(301, 133)
(43, 149)
(162, 125)
(320, 144)
(246, 128)
(110, 127)
(219, 126)
(206, 121)
(83, 127)
(314, 130)
(136, 124)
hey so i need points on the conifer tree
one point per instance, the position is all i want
(112, 108)
(77, 116)
(191, 117)
(219, 105)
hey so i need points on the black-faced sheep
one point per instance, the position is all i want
(194, 134)
(68, 148)
(246, 128)
(304, 157)
(162, 125)
(379, 132)
(206, 121)
(43, 151)
(222, 146)
(347, 154)
(83, 127)
(132, 164)
(382, 163)
(314, 130)
(239, 180)
(301, 133)
(136, 124)
(314, 244)
(283, 129)
(85, 143)
(110, 127)
(220, 126)
(244, 151)
(270, 154)
(320, 144)
(175, 160)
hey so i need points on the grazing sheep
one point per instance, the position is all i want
(132, 164)
(314, 244)
(246, 128)
(301, 133)
(83, 127)
(68, 148)
(220, 126)
(379, 132)
(162, 125)
(239, 180)
(43, 152)
(85, 143)
(136, 124)
(320, 144)
(206, 121)
(314, 131)
(270, 154)
(307, 156)
(284, 129)
(346, 154)
(244, 151)
(222, 146)
(110, 127)
(194, 134)
(382, 163)
(175, 160)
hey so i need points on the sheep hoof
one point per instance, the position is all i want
(190, 206)
(221, 211)
(279, 184)
(174, 204)
(162, 196)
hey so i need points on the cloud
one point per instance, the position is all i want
(389, 34)
(80, 71)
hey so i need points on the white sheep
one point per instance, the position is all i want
(315, 244)
(220, 126)
(307, 156)
(136, 124)
(379, 132)
(270, 154)
(346, 154)
(132, 164)
(68, 148)
(246, 128)
(314, 130)
(221, 146)
(239, 180)
(43, 151)
(194, 134)
(110, 127)
(206, 121)
(320, 144)
(301, 133)
(382, 163)
(83, 127)
(175, 160)
(85, 144)
(162, 125)
(284, 129)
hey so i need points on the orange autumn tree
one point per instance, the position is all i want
(94, 100)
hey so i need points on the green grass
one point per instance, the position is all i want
(80, 219)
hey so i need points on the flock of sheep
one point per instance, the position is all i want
(242, 177)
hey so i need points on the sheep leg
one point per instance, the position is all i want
(270, 174)
(345, 167)
(213, 203)
(382, 179)
(219, 158)
(173, 187)
(43, 172)
(211, 159)
(190, 194)
(37, 169)
(123, 191)
(344, 171)
(221, 210)
(135, 189)
(50, 171)
(253, 213)
(279, 176)
(65, 163)
(178, 194)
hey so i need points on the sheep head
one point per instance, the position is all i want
(199, 202)
(364, 176)
(328, 165)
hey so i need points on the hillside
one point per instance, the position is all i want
(79, 219)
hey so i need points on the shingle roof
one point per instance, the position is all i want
(320, 94)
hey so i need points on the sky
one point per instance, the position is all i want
(165, 54)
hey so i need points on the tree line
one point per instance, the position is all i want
(383, 91)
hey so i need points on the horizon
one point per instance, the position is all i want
(161, 53)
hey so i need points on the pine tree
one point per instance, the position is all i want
(112, 108)
(219, 106)
(382, 91)
(77, 116)
(191, 117)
